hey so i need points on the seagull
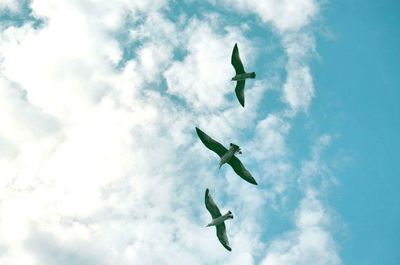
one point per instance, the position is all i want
(218, 219)
(227, 156)
(241, 74)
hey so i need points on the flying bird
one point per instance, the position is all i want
(227, 156)
(241, 74)
(218, 219)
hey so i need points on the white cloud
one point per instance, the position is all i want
(298, 91)
(270, 138)
(11, 5)
(109, 170)
(285, 15)
(105, 165)
(310, 243)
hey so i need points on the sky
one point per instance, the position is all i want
(100, 162)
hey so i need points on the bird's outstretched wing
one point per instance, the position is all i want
(236, 62)
(240, 91)
(221, 234)
(239, 168)
(210, 143)
(211, 206)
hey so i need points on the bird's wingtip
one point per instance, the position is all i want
(252, 181)
(235, 47)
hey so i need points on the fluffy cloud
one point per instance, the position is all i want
(99, 159)
(93, 152)
(310, 243)
(284, 15)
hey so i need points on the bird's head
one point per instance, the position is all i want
(230, 215)
(236, 148)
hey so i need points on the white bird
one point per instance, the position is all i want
(241, 74)
(227, 156)
(218, 220)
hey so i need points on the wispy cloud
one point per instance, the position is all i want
(311, 242)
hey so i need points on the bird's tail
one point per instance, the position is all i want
(253, 75)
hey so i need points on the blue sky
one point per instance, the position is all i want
(358, 93)
(100, 162)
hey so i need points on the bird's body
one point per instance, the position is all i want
(244, 76)
(227, 156)
(218, 219)
(241, 74)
